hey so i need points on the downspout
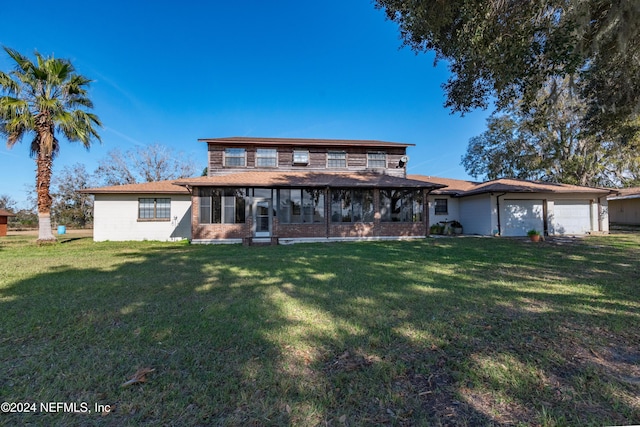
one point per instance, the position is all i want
(498, 212)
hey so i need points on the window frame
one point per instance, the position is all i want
(305, 153)
(271, 158)
(409, 208)
(301, 206)
(228, 155)
(351, 205)
(336, 156)
(370, 159)
(437, 208)
(155, 210)
(222, 206)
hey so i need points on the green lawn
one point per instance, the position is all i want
(449, 331)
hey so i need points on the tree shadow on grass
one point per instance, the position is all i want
(396, 333)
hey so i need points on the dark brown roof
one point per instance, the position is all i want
(505, 185)
(4, 212)
(159, 187)
(241, 140)
(306, 179)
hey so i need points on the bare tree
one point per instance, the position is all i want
(144, 164)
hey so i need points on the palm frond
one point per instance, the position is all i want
(48, 96)
(8, 85)
(22, 62)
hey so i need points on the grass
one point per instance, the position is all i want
(460, 331)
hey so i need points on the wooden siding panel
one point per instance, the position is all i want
(356, 159)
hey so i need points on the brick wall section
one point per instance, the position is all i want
(301, 230)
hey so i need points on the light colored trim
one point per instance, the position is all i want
(215, 241)
(292, 240)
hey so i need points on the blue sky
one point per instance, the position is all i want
(169, 72)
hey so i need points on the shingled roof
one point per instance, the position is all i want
(304, 142)
(160, 187)
(626, 193)
(306, 179)
(4, 212)
(462, 188)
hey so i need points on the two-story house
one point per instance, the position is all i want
(288, 190)
(275, 190)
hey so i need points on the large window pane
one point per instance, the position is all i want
(376, 160)
(234, 157)
(219, 206)
(336, 159)
(352, 205)
(284, 206)
(300, 157)
(401, 205)
(154, 208)
(145, 208)
(296, 206)
(317, 197)
(266, 157)
(368, 210)
(300, 206)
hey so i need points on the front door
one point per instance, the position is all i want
(262, 218)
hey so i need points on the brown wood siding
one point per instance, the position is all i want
(356, 159)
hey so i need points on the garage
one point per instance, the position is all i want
(520, 216)
(571, 216)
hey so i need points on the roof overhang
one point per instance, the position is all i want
(301, 142)
(158, 187)
(307, 179)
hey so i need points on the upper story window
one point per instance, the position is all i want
(266, 157)
(440, 207)
(336, 159)
(376, 160)
(154, 208)
(235, 157)
(300, 157)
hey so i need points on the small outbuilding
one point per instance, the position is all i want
(624, 207)
(4, 219)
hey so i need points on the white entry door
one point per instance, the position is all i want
(262, 217)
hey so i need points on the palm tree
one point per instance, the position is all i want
(44, 99)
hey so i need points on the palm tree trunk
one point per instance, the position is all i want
(44, 163)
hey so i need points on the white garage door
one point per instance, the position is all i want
(571, 216)
(519, 216)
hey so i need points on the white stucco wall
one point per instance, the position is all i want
(479, 214)
(116, 219)
(452, 214)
